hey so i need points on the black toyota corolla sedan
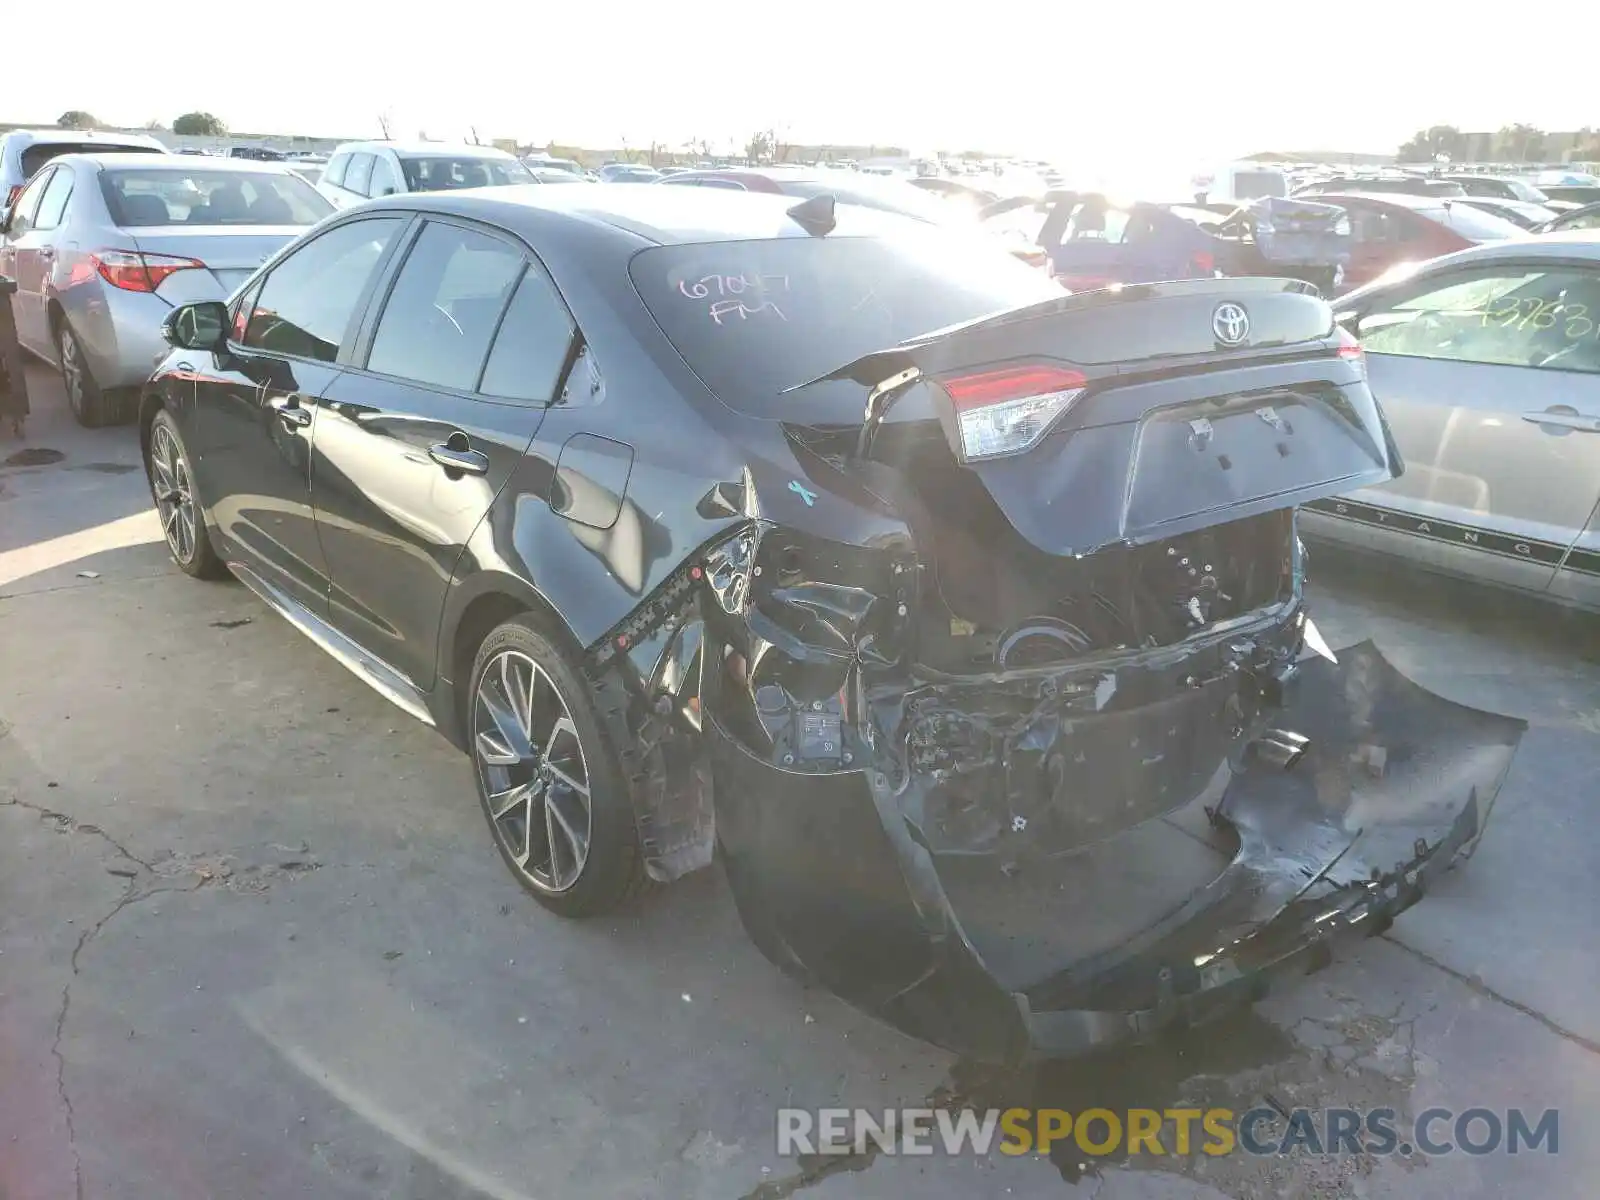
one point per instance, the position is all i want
(959, 618)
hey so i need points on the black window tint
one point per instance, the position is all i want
(360, 174)
(532, 344)
(53, 203)
(337, 166)
(36, 156)
(305, 306)
(443, 308)
(383, 181)
(752, 318)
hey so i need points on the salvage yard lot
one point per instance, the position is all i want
(254, 941)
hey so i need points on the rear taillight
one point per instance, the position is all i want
(1350, 349)
(1009, 410)
(135, 272)
(11, 196)
(1203, 263)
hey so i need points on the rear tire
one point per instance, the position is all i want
(182, 516)
(91, 406)
(548, 779)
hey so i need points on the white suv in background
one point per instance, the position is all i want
(24, 151)
(359, 170)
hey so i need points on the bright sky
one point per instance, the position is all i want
(1121, 84)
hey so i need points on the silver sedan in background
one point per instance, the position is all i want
(1487, 365)
(104, 246)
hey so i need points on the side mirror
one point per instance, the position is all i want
(388, 191)
(199, 326)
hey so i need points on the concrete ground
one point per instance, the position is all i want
(254, 941)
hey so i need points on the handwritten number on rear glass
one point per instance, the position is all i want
(736, 296)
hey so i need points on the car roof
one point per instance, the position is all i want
(663, 215)
(1567, 243)
(1422, 204)
(420, 149)
(48, 136)
(1570, 244)
(173, 162)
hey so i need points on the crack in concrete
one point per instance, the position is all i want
(131, 897)
(70, 824)
(1476, 984)
(133, 894)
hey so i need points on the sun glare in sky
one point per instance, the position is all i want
(1133, 88)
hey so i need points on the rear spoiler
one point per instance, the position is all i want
(958, 346)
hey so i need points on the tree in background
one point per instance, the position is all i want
(1437, 141)
(199, 124)
(759, 146)
(1520, 143)
(76, 118)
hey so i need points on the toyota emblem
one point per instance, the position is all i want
(1230, 323)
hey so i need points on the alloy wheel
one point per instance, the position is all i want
(72, 371)
(174, 492)
(532, 771)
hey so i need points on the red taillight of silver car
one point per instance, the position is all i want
(135, 272)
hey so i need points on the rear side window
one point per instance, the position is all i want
(1583, 219)
(1477, 224)
(444, 307)
(383, 181)
(36, 156)
(337, 166)
(360, 174)
(531, 347)
(1259, 185)
(752, 318)
(27, 205)
(1507, 316)
(305, 306)
(53, 203)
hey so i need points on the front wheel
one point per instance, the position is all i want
(172, 487)
(554, 796)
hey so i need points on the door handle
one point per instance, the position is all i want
(1564, 418)
(290, 412)
(457, 454)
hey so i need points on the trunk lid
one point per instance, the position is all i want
(1194, 403)
(231, 255)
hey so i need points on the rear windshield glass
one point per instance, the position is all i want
(1477, 224)
(35, 157)
(1256, 185)
(753, 318)
(448, 172)
(139, 198)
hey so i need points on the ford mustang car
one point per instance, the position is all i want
(959, 618)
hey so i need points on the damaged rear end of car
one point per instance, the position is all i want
(1003, 693)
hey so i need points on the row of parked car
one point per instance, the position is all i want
(1481, 338)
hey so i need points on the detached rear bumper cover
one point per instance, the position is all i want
(1057, 940)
